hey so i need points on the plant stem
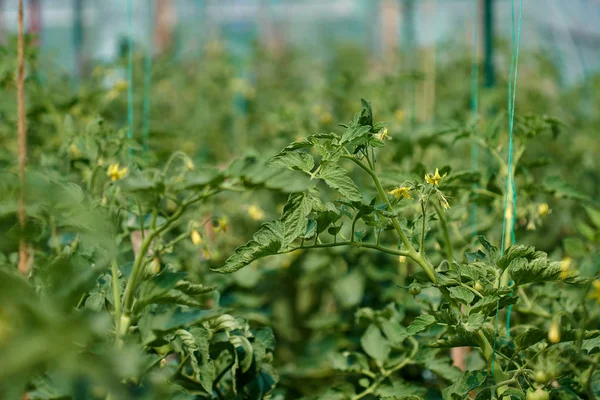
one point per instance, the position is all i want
(129, 294)
(386, 373)
(117, 298)
(444, 224)
(411, 252)
(349, 243)
(424, 216)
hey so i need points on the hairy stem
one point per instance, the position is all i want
(444, 224)
(117, 298)
(411, 252)
(129, 294)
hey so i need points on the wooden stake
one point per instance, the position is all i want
(23, 254)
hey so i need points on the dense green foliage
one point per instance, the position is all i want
(260, 250)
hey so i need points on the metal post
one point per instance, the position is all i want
(488, 38)
(78, 36)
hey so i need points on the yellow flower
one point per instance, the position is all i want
(196, 237)
(189, 164)
(543, 210)
(256, 213)
(383, 134)
(115, 172)
(326, 118)
(435, 178)
(565, 267)
(444, 202)
(74, 150)
(401, 192)
(121, 85)
(554, 332)
(399, 114)
(402, 259)
(223, 224)
(155, 267)
(206, 254)
(595, 293)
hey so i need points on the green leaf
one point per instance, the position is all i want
(487, 305)
(266, 242)
(420, 323)
(538, 270)
(153, 326)
(409, 397)
(355, 132)
(467, 382)
(375, 344)
(575, 247)
(439, 365)
(161, 289)
(474, 322)
(200, 178)
(349, 290)
(294, 215)
(337, 178)
(349, 361)
(515, 252)
(562, 189)
(461, 294)
(530, 337)
(295, 160)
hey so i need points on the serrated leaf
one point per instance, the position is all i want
(515, 252)
(193, 288)
(153, 326)
(474, 322)
(538, 270)
(349, 361)
(466, 383)
(355, 132)
(294, 216)
(461, 294)
(266, 242)
(295, 160)
(420, 323)
(530, 337)
(487, 305)
(375, 344)
(439, 365)
(337, 178)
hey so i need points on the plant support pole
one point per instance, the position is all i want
(22, 132)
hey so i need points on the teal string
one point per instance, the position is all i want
(512, 90)
(475, 108)
(130, 72)
(148, 78)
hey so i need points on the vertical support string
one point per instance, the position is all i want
(475, 106)
(511, 194)
(148, 79)
(130, 72)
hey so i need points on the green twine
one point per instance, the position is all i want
(512, 90)
(148, 78)
(130, 72)
(475, 108)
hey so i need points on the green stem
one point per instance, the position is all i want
(444, 224)
(129, 295)
(411, 252)
(349, 243)
(386, 373)
(423, 226)
(117, 298)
